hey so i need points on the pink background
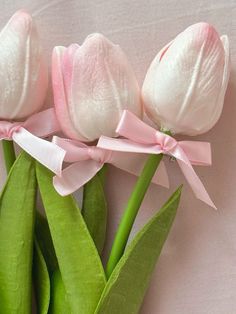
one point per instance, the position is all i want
(196, 273)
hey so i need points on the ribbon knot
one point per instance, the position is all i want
(7, 129)
(99, 155)
(142, 138)
(166, 142)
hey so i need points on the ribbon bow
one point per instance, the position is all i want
(88, 160)
(141, 138)
(27, 135)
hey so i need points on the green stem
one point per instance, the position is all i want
(131, 211)
(9, 154)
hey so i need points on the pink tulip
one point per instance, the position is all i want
(23, 74)
(92, 85)
(185, 84)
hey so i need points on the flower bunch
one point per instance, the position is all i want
(98, 109)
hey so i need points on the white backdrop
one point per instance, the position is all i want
(196, 273)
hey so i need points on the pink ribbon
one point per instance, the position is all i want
(88, 160)
(27, 135)
(141, 138)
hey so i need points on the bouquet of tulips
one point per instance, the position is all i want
(96, 120)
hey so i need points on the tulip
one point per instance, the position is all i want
(185, 85)
(23, 74)
(93, 84)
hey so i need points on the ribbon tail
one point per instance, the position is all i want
(195, 183)
(75, 176)
(47, 153)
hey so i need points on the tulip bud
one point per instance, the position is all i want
(185, 84)
(92, 85)
(23, 74)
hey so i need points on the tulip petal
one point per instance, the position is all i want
(162, 52)
(59, 92)
(68, 66)
(23, 73)
(226, 73)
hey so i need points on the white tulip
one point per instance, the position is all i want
(93, 84)
(185, 84)
(23, 73)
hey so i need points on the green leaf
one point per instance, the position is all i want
(43, 235)
(79, 262)
(17, 204)
(44, 263)
(102, 174)
(41, 280)
(95, 209)
(127, 285)
(59, 300)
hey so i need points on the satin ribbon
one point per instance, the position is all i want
(141, 138)
(28, 135)
(88, 160)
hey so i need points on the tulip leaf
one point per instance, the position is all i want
(17, 214)
(79, 262)
(59, 300)
(41, 280)
(44, 239)
(44, 263)
(128, 282)
(102, 174)
(94, 209)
